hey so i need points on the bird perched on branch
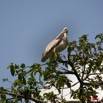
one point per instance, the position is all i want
(57, 45)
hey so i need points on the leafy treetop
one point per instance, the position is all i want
(86, 62)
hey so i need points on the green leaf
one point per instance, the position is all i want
(99, 36)
(23, 65)
(83, 38)
(5, 79)
(20, 75)
(16, 82)
(12, 69)
(26, 92)
(24, 81)
(3, 96)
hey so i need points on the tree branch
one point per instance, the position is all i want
(97, 83)
(96, 73)
(65, 72)
(21, 96)
(72, 66)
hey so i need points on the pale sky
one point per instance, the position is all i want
(26, 26)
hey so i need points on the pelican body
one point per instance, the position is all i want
(57, 45)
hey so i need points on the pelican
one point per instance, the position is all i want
(57, 45)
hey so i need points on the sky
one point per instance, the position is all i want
(26, 27)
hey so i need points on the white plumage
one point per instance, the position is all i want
(57, 45)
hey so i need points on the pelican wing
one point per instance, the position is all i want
(49, 49)
(53, 44)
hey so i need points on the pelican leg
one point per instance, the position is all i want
(55, 54)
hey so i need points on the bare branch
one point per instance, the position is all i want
(65, 72)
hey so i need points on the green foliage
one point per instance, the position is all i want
(84, 58)
(50, 96)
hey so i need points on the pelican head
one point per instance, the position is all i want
(65, 30)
